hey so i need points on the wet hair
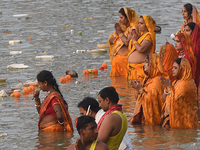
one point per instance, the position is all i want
(83, 122)
(94, 105)
(123, 12)
(178, 61)
(189, 9)
(110, 93)
(47, 76)
(191, 25)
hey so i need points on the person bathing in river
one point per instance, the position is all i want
(118, 41)
(53, 111)
(90, 106)
(140, 46)
(190, 14)
(87, 129)
(113, 124)
(193, 30)
(149, 102)
(180, 97)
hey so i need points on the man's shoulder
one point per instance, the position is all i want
(101, 146)
(71, 147)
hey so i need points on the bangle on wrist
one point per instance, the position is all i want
(37, 105)
(167, 91)
(141, 91)
(60, 122)
(121, 35)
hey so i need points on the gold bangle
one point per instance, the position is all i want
(141, 91)
(135, 42)
(121, 35)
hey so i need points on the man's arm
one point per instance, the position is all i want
(105, 129)
(71, 147)
(101, 146)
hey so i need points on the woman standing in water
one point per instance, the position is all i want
(53, 111)
(118, 41)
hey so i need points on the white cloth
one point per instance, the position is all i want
(126, 142)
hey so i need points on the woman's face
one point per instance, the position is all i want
(123, 20)
(141, 25)
(175, 69)
(178, 45)
(188, 30)
(42, 86)
(146, 67)
(185, 14)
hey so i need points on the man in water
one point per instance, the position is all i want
(87, 129)
(113, 124)
(90, 106)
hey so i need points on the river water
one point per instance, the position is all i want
(44, 32)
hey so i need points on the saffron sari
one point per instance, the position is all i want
(54, 125)
(135, 71)
(195, 36)
(195, 17)
(168, 54)
(119, 62)
(149, 103)
(187, 45)
(180, 108)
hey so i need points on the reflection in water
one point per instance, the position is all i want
(54, 140)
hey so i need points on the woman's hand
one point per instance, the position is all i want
(36, 94)
(133, 35)
(166, 82)
(112, 39)
(136, 85)
(118, 29)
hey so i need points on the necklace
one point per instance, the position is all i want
(49, 92)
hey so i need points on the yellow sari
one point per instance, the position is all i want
(135, 71)
(180, 108)
(149, 103)
(119, 62)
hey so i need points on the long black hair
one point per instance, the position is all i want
(189, 9)
(47, 76)
(123, 12)
(191, 25)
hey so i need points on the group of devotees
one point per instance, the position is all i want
(166, 85)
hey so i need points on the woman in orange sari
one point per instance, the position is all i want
(180, 108)
(149, 102)
(190, 14)
(140, 46)
(53, 111)
(193, 30)
(168, 54)
(184, 45)
(118, 41)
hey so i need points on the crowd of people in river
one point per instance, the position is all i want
(166, 84)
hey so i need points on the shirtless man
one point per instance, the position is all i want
(113, 125)
(87, 129)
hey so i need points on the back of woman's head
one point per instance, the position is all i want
(122, 12)
(189, 9)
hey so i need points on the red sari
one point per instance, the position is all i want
(67, 119)
(195, 36)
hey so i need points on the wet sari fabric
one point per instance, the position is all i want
(149, 104)
(119, 61)
(180, 108)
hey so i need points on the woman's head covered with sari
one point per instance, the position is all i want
(184, 72)
(187, 46)
(150, 23)
(192, 12)
(130, 15)
(168, 54)
(156, 66)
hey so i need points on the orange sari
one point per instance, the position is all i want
(180, 108)
(119, 62)
(54, 125)
(195, 17)
(187, 45)
(149, 103)
(135, 71)
(168, 54)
